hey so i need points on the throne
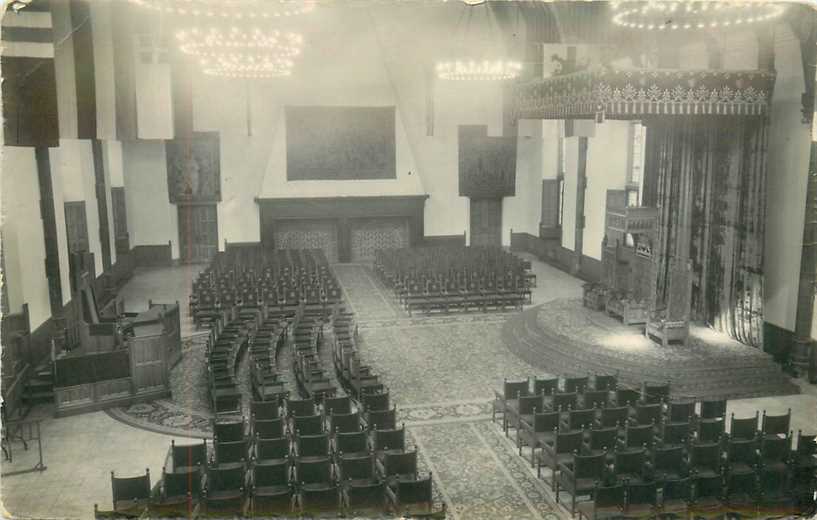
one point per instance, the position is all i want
(669, 322)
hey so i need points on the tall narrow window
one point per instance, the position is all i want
(561, 169)
(635, 176)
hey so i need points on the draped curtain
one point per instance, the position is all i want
(707, 175)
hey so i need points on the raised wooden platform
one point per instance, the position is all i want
(564, 337)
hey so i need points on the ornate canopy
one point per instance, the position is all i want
(606, 92)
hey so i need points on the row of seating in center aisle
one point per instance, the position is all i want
(455, 278)
(229, 335)
(257, 276)
(313, 378)
(644, 441)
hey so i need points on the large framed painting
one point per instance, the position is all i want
(194, 168)
(340, 143)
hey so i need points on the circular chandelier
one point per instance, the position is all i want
(486, 70)
(673, 15)
(240, 66)
(241, 53)
(230, 9)
(477, 62)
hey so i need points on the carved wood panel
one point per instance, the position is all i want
(369, 235)
(308, 234)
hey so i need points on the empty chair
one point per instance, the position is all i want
(675, 434)
(579, 476)
(713, 409)
(130, 494)
(524, 409)
(179, 493)
(710, 430)
(602, 440)
(315, 470)
(352, 443)
(607, 502)
(614, 417)
(308, 424)
(741, 494)
(627, 396)
(509, 398)
(271, 488)
(225, 490)
(389, 440)
(564, 401)
(398, 464)
(337, 405)
(642, 499)
(741, 456)
(579, 419)
(636, 437)
(263, 410)
(779, 492)
(743, 429)
(775, 453)
(705, 460)
(629, 465)
(375, 401)
(605, 382)
(230, 452)
(318, 497)
(708, 501)
(229, 431)
(344, 422)
(268, 429)
(681, 412)
(383, 419)
(188, 457)
(412, 497)
(301, 407)
(647, 414)
(775, 425)
(655, 393)
(805, 456)
(545, 386)
(575, 384)
(595, 398)
(360, 497)
(272, 449)
(561, 450)
(676, 497)
(669, 463)
(312, 446)
(542, 430)
(356, 467)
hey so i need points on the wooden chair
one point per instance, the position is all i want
(743, 429)
(608, 503)
(579, 476)
(561, 450)
(272, 490)
(642, 500)
(130, 494)
(187, 457)
(776, 425)
(741, 496)
(541, 430)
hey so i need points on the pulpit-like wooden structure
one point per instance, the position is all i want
(626, 260)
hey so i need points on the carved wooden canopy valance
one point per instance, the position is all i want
(605, 92)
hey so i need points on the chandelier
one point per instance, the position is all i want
(478, 70)
(240, 52)
(230, 9)
(672, 15)
(474, 64)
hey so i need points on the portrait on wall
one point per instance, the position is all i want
(193, 168)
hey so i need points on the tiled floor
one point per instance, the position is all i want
(441, 371)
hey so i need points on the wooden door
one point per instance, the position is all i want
(198, 232)
(486, 222)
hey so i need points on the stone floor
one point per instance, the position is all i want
(441, 370)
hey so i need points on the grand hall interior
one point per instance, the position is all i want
(464, 259)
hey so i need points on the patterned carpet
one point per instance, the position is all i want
(564, 337)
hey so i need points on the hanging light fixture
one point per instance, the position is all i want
(674, 15)
(238, 52)
(230, 9)
(477, 64)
